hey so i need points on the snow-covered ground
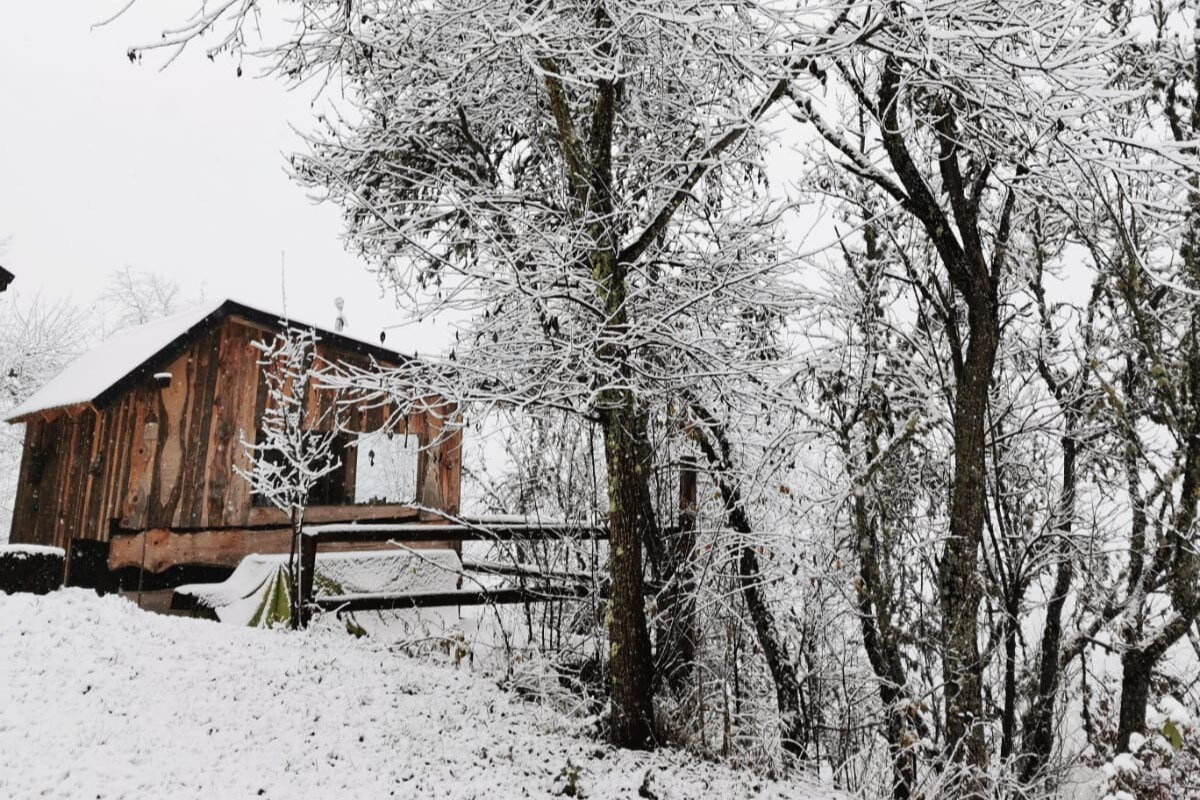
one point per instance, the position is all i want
(102, 700)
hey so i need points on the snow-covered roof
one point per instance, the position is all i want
(85, 378)
(92, 375)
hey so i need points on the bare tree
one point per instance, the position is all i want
(132, 297)
(294, 449)
(952, 142)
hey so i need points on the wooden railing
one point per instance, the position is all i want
(456, 530)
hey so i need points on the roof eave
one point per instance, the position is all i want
(72, 409)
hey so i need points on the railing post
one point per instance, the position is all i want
(308, 566)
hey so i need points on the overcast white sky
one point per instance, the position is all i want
(104, 163)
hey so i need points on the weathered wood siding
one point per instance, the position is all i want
(163, 459)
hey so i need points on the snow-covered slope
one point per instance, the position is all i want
(101, 700)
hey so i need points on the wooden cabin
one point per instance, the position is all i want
(131, 450)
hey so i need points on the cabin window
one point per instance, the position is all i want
(375, 468)
(332, 488)
(385, 468)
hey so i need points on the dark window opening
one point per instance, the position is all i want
(331, 489)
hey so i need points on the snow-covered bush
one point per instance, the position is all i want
(31, 568)
(1165, 765)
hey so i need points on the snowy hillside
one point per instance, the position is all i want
(103, 700)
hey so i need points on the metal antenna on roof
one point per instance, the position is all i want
(340, 322)
(283, 281)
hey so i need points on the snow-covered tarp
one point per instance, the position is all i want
(104, 701)
(247, 596)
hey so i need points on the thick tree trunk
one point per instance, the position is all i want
(975, 275)
(1136, 670)
(630, 522)
(958, 577)
(627, 450)
(1140, 658)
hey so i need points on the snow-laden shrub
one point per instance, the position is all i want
(31, 568)
(571, 684)
(1165, 765)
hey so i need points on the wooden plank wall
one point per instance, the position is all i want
(142, 460)
(163, 458)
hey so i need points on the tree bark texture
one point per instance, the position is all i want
(588, 166)
(975, 276)
(958, 576)
(630, 521)
(1177, 558)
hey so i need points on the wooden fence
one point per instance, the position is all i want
(457, 531)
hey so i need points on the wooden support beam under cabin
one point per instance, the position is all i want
(159, 549)
(269, 516)
(520, 571)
